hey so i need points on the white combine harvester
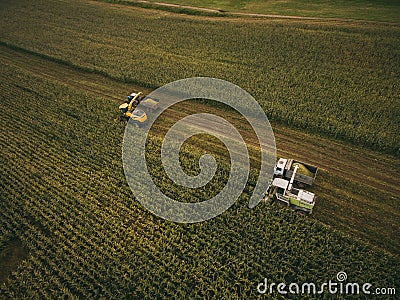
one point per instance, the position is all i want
(282, 189)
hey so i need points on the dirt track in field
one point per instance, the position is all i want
(248, 14)
(358, 164)
(364, 216)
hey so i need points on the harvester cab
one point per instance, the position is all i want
(280, 167)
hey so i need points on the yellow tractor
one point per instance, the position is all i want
(129, 109)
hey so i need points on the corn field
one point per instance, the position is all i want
(336, 80)
(64, 199)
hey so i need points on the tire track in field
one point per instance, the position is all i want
(223, 13)
(354, 163)
(346, 209)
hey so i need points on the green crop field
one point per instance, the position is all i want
(64, 197)
(335, 79)
(70, 226)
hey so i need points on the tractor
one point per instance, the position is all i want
(129, 111)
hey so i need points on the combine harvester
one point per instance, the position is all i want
(287, 173)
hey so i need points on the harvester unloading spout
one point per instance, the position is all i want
(292, 178)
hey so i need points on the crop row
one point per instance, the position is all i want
(331, 79)
(64, 196)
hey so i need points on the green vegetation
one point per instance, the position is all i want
(335, 79)
(377, 10)
(64, 196)
(69, 225)
(358, 193)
